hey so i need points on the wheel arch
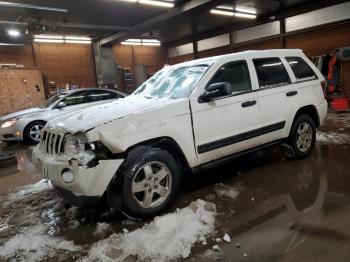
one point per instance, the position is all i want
(308, 110)
(168, 144)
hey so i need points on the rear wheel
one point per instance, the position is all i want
(302, 137)
(150, 182)
(32, 132)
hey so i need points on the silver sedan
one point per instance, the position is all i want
(26, 125)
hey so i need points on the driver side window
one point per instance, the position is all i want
(235, 73)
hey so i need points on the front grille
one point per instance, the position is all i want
(52, 143)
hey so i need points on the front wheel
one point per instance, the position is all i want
(302, 137)
(32, 132)
(150, 182)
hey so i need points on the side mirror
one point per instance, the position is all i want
(216, 90)
(61, 105)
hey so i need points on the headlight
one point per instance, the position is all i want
(74, 144)
(9, 123)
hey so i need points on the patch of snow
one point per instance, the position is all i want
(28, 190)
(102, 229)
(227, 238)
(167, 238)
(332, 138)
(227, 191)
(216, 248)
(32, 244)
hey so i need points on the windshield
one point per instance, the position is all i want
(52, 100)
(172, 82)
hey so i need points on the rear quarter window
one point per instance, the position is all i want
(301, 69)
(271, 72)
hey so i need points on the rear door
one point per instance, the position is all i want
(275, 94)
(228, 124)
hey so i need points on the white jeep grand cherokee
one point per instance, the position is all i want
(133, 152)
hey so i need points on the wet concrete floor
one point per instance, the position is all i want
(285, 210)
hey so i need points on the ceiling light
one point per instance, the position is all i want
(150, 41)
(151, 44)
(248, 10)
(77, 42)
(130, 43)
(48, 37)
(38, 7)
(251, 16)
(82, 38)
(9, 44)
(49, 41)
(232, 13)
(221, 12)
(157, 3)
(13, 33)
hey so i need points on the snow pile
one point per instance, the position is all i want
(167, 238)
(332, 138)
(33, 243)
(102, 229)
(26, 191)
(227, 191)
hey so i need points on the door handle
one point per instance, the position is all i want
(249, 103)
(292, 93)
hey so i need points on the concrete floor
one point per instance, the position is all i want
(285, 210)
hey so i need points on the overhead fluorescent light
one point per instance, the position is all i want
(10, 44)
(221, 12)
(82, 38)
(48, 37)
(13, 33)
(150, 41)
(77, 42)
(130, 43)
(133, 40)
(37, 7)
(151, 44)
(232, 13)
(250, 16)
(144, 42)
(157, 3)
(246, 9)
(58, 41)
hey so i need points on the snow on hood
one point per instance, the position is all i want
(21, 113)
(88, 118)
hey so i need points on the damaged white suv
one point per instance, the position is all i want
(132, 153)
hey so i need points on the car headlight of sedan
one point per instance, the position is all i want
(9, 123)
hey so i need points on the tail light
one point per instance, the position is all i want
(323, 86)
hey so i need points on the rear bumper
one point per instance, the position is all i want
(322, 111)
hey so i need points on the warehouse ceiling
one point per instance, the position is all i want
(116, 20)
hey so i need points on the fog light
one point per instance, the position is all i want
(67, 176)
(18, 133)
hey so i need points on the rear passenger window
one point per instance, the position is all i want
(301, 69)
(237, 74)
(271, 72)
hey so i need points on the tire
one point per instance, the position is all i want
(302, 137)
(7, 160)
(31, 132)
(150, 182)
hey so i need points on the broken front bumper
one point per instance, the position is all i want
(87, 182)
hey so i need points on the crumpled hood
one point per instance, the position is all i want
(88, 118)
(21, 113)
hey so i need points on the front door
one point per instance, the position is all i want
(228, 124)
